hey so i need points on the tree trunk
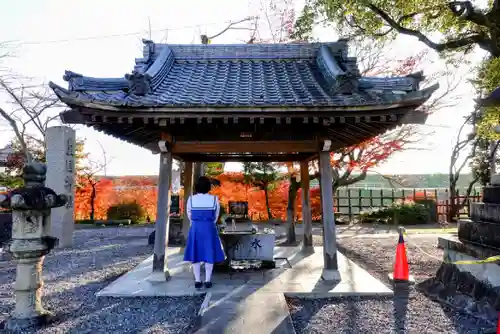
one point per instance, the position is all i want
(92, 202)
(334, 191)
(454, 206)
(291, 210)
(266, 195)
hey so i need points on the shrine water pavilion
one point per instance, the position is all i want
(250, 102)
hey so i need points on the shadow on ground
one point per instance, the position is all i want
(73, 276)
(407, 312)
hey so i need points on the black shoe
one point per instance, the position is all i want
(198, 285)
(208, 285)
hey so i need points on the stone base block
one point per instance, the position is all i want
(481, 233)
(22, 324)
(488, 273)
(473, 289)
(331, 275)
(481, 211)
(491, 194)
(159, 276)
(495, 180)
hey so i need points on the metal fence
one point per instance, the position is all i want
(351, 201)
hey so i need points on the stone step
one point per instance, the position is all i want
(247, 311)
(479, 232)
(470, 288)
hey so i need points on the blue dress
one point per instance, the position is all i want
(203, 244)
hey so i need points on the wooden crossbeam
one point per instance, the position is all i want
(292, 146)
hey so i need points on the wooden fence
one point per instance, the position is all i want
(351, 201)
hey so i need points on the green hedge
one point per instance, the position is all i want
(405, 213)
(122, 211)
(84, 221)
(117, 222)
(100, 222)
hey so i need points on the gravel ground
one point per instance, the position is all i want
(73, 276)
(407, 312)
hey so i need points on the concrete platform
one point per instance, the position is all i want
(303, 279)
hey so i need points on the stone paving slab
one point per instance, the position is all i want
(303, 279)
(246, 311)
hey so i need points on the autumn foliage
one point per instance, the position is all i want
(112, 191)
(104, 190)
(143, 190)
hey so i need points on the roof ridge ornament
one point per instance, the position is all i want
(345, 49)
(68, 75)
(417, 77)
(339, 79)
(148, 50)
(75, 80)
(79, 82)
(139, 83)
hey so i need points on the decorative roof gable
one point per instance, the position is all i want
(175, 75)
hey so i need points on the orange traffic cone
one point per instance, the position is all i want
(401, 269)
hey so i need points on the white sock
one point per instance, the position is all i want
(209, 267)
(197, 271)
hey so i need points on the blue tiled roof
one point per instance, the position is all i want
(289, 75)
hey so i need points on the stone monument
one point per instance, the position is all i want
(31, 207)
(475, 287)
(61, 178)
(175, 236)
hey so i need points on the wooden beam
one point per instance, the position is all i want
(291, 146)
(242, 158)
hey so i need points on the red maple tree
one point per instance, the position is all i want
(92, 197)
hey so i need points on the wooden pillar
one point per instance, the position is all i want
(160, 266)
(330, 270)
(188, 191)
(306, 206)
(198, 170)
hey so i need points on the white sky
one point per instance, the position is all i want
(39, 26)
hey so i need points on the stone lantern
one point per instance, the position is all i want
(31, 207)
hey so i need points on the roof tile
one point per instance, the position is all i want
(241, 75)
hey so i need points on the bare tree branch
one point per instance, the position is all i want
(456, 166)
(27, 108)
(231, 26)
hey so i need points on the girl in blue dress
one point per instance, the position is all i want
(203, 244)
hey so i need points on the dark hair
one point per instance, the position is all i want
(203, 185)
